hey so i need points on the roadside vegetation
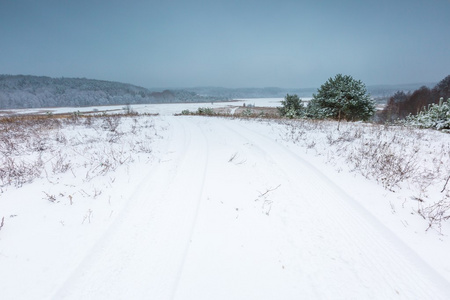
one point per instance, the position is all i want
(82, 147)
(407, 161)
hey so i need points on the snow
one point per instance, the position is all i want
(188, 207)
(162, 109)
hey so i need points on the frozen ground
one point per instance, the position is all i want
(208, 208)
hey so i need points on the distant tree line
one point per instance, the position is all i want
(402, 104)
(25, 91)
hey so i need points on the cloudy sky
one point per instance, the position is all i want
(228, 43)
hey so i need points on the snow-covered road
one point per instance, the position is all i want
(229, 213)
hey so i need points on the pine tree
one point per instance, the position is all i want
(342, 98)
(292, 107)
(437, 116)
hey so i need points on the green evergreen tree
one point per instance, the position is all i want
(342, 98)
(437, 116)
(292, 107)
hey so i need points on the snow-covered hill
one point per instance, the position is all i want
(26, 91)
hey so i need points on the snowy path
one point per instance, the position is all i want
(142, 253)
(231, 214)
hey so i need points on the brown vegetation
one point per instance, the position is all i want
(402, 104)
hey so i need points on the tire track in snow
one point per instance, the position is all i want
(197, 208)
(368, 243)
(142, 254)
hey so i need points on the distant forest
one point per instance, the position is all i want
(25, 91)
(402, 103)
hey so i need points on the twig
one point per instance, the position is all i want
(269, 190)
(87, 216)
(445, 185)
(232, 157)
(50, 198)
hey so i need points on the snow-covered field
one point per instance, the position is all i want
(187, 207)
(162, 109)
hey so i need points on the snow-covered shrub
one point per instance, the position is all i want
(436, 213)
(205, 111)
(110, 123)
(34, 146)
(437, 116)
(292, 107)
(389, 162)
(18, 172)
(247, 112)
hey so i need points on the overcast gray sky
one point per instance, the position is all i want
(242, 43)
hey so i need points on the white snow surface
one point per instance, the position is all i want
(219, 209)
